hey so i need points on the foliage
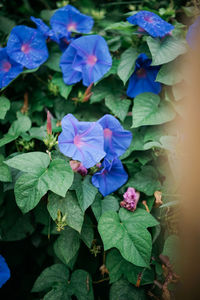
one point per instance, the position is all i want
(62, 239)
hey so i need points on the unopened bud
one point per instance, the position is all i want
(49, 126)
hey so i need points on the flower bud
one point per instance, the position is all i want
(49, 126)
(131, 198)
(78, 167)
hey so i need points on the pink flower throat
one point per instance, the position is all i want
(91, 60)
(71, 26)
(6, 66)
(107, 133)
(77, 141)
(148, 19)
(141, 73)
(25, 48)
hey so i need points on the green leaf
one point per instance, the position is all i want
(69, 207)
(5, 106)
(5, 174)
(119, 107)
(171, 247)
(166, 50)
(122, 290)
(114, 44)
(30, 70)
(32, 162)
(146, 181)
(121, 26)
(149, 110)
(127, 64)
(56, 278)
(6, 25)
(53, 62)
(58, 293)
(14, 226)
(63, 88)
(85, 192)
(31, 187)
(169, 74)
(87, 232)
(38, 133)
(58, 177)
(81, 285)
(99, 206)
(67, 245)
(99, 92)
(51, 277)
(18, 127)
(46, 14)
(118, 267)
(22, 124)
(127, 232)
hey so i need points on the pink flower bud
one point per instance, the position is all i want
(78, 167)
(131, 198)
(82, 170)
(74, 165)
(49, 127)
(98, 165)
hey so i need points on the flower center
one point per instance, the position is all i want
(92, 59)
(77, 141)
(71, 26)
(107, 133)
(104, 172)
(25, 48)
(148, 19)
(6, 66)
(141, 73)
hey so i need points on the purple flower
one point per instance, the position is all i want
(83, 141)
(86, 58)
(143, 78)
(27, 46)
(131, 198)
(111, 177)
(4, 271)
(78, 167)
(193, 33)
(68, 19)
(151, 23)
(116, 139)
(9, 69)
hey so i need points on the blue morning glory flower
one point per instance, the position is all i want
(4, 271)
(68, 19)
(41, 26)
(116, 139)
(151, 23)
(27, 46)
(111, 177)
(143, 78)
(86, 58)
(83, 141)
(9, 69)
(193, 33)
(45, 30)
(64, 43)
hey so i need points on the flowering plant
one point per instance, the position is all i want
(88, 96)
